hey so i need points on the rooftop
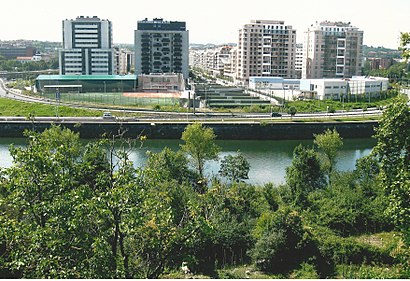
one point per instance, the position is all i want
(87, 77)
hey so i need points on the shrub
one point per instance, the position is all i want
(306, 271)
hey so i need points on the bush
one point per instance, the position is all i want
(306, 271)
(349, 250)
(281, 241)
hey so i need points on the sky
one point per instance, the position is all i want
(209, 21)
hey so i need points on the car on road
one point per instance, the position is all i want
(108, 115)
(276, 114)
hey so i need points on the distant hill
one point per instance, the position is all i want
(209, 45)
(380, 52)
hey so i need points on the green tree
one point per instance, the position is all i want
(235, 167)
(292, 111)
(169, 165)
(43, 232)
(200, 145)
(393, 152)
(304, 175)
(281, 241)
(329, 142)
(405, 45)
(231, 211)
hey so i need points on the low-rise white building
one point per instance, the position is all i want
(276, 86)
(336, 88)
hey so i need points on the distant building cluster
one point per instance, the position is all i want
(18, 50)
(89, 61)
(268, 48)
(266, 57)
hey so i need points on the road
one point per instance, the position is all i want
(151, 115)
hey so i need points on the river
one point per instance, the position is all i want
(268, 159)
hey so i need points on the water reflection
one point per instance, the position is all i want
(268, 159)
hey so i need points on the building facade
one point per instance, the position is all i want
(87, 47)
(161, 82)
(124, 61)
(266, 48)
(161, 47)
(299, 60)
(13, 52)
(332, 50)
(336, 88)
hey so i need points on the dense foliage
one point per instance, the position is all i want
(69, 210)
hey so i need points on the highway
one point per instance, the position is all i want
(161, 116)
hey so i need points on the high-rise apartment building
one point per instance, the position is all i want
(332, 50)
(161, 47)
(87, 47)
(266, 48)
(299, 60)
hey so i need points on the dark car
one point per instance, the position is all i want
(276, 114)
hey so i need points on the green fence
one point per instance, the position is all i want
(112, 99)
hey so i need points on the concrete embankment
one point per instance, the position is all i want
(173, 130)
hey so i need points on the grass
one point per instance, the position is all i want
(387, 241)
(322, 106)
(10, 107)
(18, 108)
(363, 271)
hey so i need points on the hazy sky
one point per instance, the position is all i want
(208, 21)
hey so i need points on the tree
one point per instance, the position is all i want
(304, 175)
(405, 45)
(46, 232)
(235, 167)
(393, 152)
(281, 241)
(200, 145)
(329, 142)
(292, 111)
(169, 165)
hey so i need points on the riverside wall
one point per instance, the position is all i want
(223, 130)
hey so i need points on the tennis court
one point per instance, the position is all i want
(121, 99)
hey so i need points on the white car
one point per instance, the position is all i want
(108, 115)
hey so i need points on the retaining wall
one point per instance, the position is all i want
(223, 130)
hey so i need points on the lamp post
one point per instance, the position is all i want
(58, 96)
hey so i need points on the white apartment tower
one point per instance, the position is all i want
(87, 47)
(266, 48)
(299, 60)
(332, 50)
